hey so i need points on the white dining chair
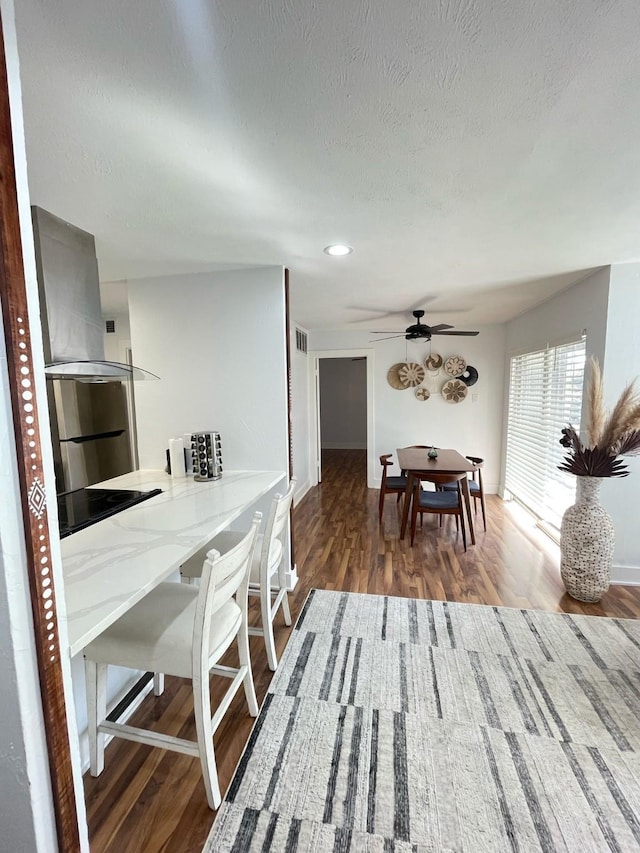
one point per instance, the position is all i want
(180, 630)
(268, 566)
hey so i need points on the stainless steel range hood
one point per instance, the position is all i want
(96, 371)
(70, 304)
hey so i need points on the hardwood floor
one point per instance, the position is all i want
(150, 800)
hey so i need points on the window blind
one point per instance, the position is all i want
(545, 394)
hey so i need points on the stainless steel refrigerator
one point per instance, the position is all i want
(93, 441)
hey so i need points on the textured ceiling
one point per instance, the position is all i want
(482, 152)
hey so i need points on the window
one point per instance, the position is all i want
(545, 394)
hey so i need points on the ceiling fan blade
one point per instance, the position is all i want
(469, 334)
(383, 313)
(375, 340)
(386, 332)
(390, 312)
(440, 327)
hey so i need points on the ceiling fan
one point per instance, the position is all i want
(421, 332)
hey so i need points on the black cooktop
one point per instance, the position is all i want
(83, 507)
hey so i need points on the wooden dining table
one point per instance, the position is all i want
(416, 463)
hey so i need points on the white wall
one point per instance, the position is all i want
(472, 427)
(217, 341)
(621, 496)
(26, 809)
(582, 307)
(116, 343)
(221, 367)
(343, 403)
(300, 414)
(607, 305)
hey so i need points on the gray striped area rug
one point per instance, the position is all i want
(401, 726)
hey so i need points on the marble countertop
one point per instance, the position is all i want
(111, 565)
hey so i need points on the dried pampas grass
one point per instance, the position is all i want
(623, 418)
(596, 416)
(610, 435)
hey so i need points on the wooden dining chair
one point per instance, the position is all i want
(404, 473)
(404, 476)
(476, 487)
(180, 630)
(440, 502)
(390, 485)
(417, 447)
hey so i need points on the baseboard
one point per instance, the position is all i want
(292, 578)
(301, 491)
(344, 445)
(625, 575)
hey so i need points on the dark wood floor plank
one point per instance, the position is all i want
(151, 800)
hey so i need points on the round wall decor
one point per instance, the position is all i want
(455, 365)
(393, 378)
(469, 376)
(411, 374)
(423, 393)
(454, 391)
(433, 361)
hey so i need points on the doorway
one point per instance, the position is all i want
(343, 405)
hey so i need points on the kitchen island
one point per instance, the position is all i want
(111, 565)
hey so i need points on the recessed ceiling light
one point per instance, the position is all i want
(338, 250)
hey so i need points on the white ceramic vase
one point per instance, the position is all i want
(587, 539)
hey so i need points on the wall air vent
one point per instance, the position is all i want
(110, 326)
(301, 341)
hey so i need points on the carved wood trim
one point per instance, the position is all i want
(13, 298)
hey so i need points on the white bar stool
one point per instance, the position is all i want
(184, 631)
(268, 563)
